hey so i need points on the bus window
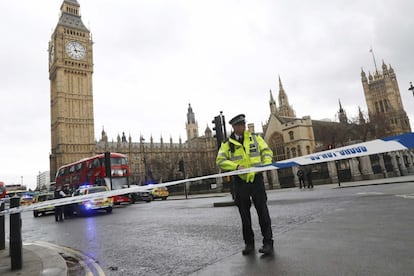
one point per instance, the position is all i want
(118, 161)
(79, 167)
(61, 172)
(95, 163)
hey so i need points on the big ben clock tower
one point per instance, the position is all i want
(71, 97)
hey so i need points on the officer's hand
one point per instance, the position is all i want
(240, 167)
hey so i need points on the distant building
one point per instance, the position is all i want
(158, 161)
(15, 187)
(43, 181)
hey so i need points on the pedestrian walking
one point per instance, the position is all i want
(301, 176)
(243, 150)
(309, 177)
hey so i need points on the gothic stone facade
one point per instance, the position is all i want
(289, 136)
(152, 162)
(71, 97)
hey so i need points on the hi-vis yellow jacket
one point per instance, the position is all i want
(253, 152)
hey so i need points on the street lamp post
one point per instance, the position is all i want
(411, 88)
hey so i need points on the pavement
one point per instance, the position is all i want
(37, 260)
(51, 260)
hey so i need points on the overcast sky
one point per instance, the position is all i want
(152, 58)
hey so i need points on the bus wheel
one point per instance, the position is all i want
(35, 214)
(109, 210)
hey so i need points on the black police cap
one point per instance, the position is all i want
(238, 119)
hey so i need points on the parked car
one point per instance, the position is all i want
(93, 205)
(141, 196)
(40, 198)
(6, 201)
(160, 192)
(26, 199)
(121, 199)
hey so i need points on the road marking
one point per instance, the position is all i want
(409, 196)
(370, 193)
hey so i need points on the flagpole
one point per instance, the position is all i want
(373, 57)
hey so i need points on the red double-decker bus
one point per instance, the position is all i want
(113, 173)
(2, 190)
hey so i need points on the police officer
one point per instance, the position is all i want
(243, 150)
(59, 209)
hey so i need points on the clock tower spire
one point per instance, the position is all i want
(71, 95)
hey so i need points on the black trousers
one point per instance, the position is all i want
(301, 181)
(59, 213)
(245, 193)
(310, 184)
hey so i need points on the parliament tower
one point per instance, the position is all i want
(191, 125)
(385, 108)
(71, 97)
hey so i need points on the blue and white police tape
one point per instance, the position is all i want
(389, 144)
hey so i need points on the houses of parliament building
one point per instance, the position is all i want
(72, 123)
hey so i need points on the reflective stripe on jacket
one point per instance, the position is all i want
(253, 152)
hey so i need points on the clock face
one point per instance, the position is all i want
(75, 50)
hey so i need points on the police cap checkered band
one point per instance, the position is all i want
(238, 119)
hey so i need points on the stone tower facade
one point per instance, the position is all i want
(287, 135)
(385, 108)
(191, 125)
(272, 104)
(285, 109)
(342, 114)
(71, 97)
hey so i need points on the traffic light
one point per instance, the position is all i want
(108, 171)
(218, 128)
(107, 159)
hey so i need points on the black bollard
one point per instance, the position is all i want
(2, 230)
(15, 236)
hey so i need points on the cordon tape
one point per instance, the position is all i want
(389, 144)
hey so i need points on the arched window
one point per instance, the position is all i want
(287, 153)
(308, 150)
(276, 143)
(291, 136)
(293, 150)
